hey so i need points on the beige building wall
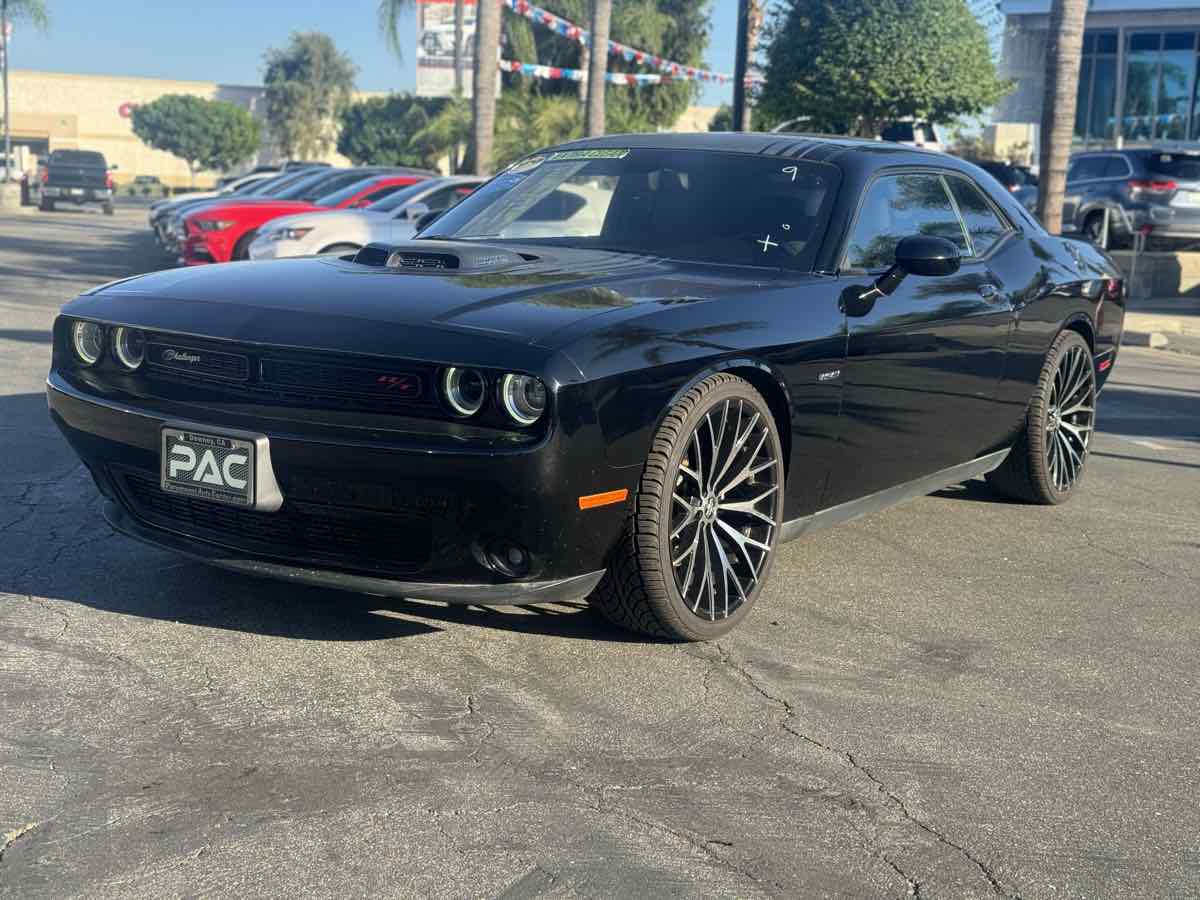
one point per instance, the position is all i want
(59, 110)
(695, 118)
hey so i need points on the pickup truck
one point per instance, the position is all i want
(75, 176)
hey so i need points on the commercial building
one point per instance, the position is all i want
(1138, 77)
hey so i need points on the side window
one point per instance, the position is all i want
(440, 199)
(376, 196)
(1087, 168)
(1116, 167)
(895, 207)
(983, 225)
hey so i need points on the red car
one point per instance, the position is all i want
(223, 232)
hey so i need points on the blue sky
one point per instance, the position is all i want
(224, 40)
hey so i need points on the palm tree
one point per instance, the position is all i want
(598, 66)
(1063, 50)
(13, 10)
(483, 97)
(750, 19)
(390, 12)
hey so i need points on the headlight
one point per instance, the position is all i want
(129, 346)
(214, 224)
(88, 340)
(465, 390)
(523, 398)
(288, 234)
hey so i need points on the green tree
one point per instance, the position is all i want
(853, 65)
(392, 131)
(677, 29)
(206, 134)
(526, 122)
(309, 83)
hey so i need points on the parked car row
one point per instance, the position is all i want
(303, 210)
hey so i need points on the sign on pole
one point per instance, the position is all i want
(435, 47)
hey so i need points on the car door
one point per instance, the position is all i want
(924, 363)
(1082, 178)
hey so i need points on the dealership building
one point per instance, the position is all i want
(1138, 75)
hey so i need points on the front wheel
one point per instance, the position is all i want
(46, 205)
(701, 536)
(1047, 461)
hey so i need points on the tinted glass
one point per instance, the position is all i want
(896, 207)
(339, 197)
(311, 186)
(1087, 167)
(900, 131)
(401, 197)
(447, 196)
(1116, 167)
(683, 204)
(277, 186)
(983, 225)
(76, 158)
(1174, 165)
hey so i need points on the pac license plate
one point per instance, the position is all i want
(1187, 198)
(214, 467)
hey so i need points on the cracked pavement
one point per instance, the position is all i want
(959, 697)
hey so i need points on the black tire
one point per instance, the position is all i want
(1041, 467)
(108, 209)
(1093, 228)
(241, 250)
(641, 589)
(339, 249)
(46, 205)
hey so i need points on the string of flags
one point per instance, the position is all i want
(667, 69)
(629, 79)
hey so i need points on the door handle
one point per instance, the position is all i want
(989, 292)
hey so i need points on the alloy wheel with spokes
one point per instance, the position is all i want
(1048, 458)
(702, 529)
(724, 503)
(1070, 416)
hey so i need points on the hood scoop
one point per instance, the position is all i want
(433, 257)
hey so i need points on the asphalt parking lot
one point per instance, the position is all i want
(959, 697)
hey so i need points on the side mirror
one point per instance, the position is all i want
(920, 254)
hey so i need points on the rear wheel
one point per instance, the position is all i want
(701, 537)
(108, 209)
(1048, 459)
(46, 205)
(1093, 228)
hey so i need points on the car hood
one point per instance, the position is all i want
(321, 218)
(335, 304)
(252, 208)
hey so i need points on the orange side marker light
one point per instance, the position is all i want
(591, 501)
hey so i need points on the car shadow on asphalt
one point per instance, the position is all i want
(27, 335)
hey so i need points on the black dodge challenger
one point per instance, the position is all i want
(626, 369)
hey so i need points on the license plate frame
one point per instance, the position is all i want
(213, 465)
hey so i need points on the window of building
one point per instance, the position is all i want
(1095, 122)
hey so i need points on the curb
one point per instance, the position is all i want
(1160, 323)
(1154, 339)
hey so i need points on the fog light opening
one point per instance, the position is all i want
(508, 558)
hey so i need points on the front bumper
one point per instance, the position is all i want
(264, 249)
(348, 503)
(510, 594)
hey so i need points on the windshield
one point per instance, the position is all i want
(273, 186)
(76, 158)
(304, 186)
(682, 204)
(1176, 165)
(394, 201)
(337, 198)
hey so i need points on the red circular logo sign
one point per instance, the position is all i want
(126, 109)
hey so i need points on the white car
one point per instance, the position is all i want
(390, 220)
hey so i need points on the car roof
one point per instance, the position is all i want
(794, 146)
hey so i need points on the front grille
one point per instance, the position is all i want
(310, 533)
(382, 381)
(293, 377)
(198, 362)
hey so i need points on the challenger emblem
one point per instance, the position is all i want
(401, 384)
(182, 356)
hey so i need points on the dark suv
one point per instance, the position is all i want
(1154, 191)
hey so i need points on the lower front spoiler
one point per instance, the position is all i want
(509, 594)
